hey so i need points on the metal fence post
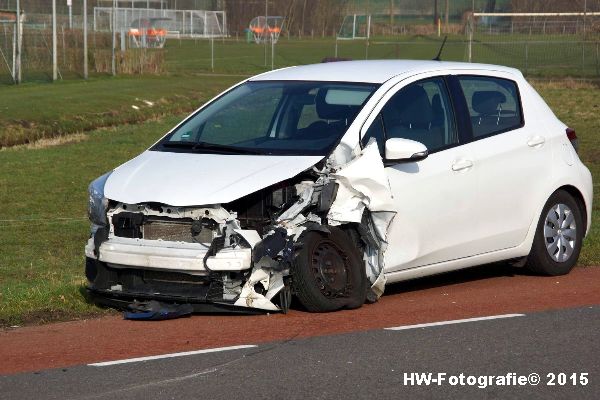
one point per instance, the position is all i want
(583, 57)
(19, 42)
(114, 38)
(64, 46)
(526, 57)
(266, 27)
(336, 46)
(54, 40)
(13, 72)
(470, 29)
(70, 5)
(272, 52)
(212, 52)
(597, 66)
(85, 43)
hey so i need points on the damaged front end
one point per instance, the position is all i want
(244, 255)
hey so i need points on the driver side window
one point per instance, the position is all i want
(420, 111)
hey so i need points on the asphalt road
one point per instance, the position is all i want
(369, 364)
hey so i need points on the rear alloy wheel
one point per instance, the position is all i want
(558, 238)
(328, 273)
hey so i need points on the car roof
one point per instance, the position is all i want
(371, 71)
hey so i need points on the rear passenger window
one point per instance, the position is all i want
(494, 104)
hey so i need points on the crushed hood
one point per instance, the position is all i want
(184, 179)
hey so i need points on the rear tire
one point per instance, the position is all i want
(558, 237)
(328, 272)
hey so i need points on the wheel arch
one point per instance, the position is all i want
(579, 199)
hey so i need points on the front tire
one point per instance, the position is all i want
(558, 238)
(328, 272)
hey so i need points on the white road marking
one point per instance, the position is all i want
(171, 355)
(456, 321)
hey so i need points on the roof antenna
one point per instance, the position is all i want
(437, 58)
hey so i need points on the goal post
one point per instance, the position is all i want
(355, 26)
(10, 47)
(266, 29)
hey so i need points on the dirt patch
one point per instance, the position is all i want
(44, 317)
(565, 83)
(50, 142)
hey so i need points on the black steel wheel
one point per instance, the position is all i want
(328, 272)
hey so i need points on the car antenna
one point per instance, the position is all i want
(437, 58)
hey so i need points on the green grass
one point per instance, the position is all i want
(43, 225)
(32, 111)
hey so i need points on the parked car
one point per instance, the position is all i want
(327, 182)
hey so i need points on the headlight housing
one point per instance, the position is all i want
(98, 204)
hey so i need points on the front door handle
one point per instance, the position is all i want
(460, 165)
(536, 141)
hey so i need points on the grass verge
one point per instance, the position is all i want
(32, 112)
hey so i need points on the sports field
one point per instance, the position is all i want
(35, 111)
(91, 127)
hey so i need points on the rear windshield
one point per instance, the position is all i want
(272, 117)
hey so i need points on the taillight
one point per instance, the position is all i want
(572, 138)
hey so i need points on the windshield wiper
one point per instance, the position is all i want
(211, 147)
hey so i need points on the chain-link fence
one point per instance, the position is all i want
(550, 43)
(60, 48)
(538, 43)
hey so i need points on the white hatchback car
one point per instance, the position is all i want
(327, 181)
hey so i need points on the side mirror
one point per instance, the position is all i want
(402, 150)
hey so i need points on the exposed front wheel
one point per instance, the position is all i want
(558, 237)
(328, 272)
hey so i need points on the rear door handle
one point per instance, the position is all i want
(460, 165)
(536, 141)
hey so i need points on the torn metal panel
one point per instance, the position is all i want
(364, 188)
(232, 288)
(268, 282)
(218, 214)
(303, 202)
(363, 183)
(230, 260)
(250, 236)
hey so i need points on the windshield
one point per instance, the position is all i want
(268, 117)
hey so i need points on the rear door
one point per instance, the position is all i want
(511, 160)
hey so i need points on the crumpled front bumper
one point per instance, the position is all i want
(127, 270)
(120, 287)
(123, 301)
(163, 255)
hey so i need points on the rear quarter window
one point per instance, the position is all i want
(494, 104)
